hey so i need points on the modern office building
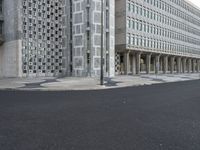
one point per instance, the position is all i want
(84, 37)
(32, 38)
(157, 36)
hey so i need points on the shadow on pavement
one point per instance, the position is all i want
(38, 84)
(110, 82)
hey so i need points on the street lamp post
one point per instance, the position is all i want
(102, 60)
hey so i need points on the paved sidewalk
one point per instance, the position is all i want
(75, 83)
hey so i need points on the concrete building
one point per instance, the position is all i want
(84, 37)
(63, 37)
(55, 38)
(157, 36)
(32, 43)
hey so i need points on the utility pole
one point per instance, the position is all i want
(102, 60)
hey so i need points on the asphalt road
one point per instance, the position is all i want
(157, 117)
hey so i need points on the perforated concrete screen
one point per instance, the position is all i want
(42, 37)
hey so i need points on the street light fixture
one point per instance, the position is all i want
(102, 60)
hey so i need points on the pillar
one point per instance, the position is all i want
(148, 63)
(172, 64)
(198, 66)
(189, 65)
(184, 65)
(193, 65)
(179, 65)
(161, 64)
(126, 63)
(133, 64)
(138, 58)
(154, 64)
(165, 64)
(157, 64)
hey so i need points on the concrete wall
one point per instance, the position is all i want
(112, 38)
(120, 22)
(10, 59)
(10, 51)
(68, 51)
(85, 45)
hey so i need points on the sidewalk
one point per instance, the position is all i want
(75, 83)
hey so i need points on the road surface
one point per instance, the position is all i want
(156, 117)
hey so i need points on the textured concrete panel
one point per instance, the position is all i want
(10, 58)
(12, 20)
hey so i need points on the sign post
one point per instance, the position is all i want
(102, 22)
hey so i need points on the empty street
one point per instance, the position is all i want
(156, 117)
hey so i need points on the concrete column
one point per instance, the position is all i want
(184, 65)
(138, 58)
(193, 65)
(154, 64)
(189, 65)
(172, 64)
(165, 64)
(161, 64)
(179, 65)
(157, 64)
(134, 64)
(126, 63)
(148, 63)
(198, 65)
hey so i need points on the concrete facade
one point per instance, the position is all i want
(159, 36)
(63, 37)
(56, 38)
(42, 35)
(86, 37)
(33, 38)
(10, 50)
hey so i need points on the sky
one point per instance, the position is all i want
(196, 2)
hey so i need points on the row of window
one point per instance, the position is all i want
(53, 3)
(43, 37)
(41, 44)
(141, 26)
(39, 16)
(173, 10)
(160, 45)
(42, 61)
(48, 70)
(38, 22)
(43, 9)
(187, 7)
(161, 18)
